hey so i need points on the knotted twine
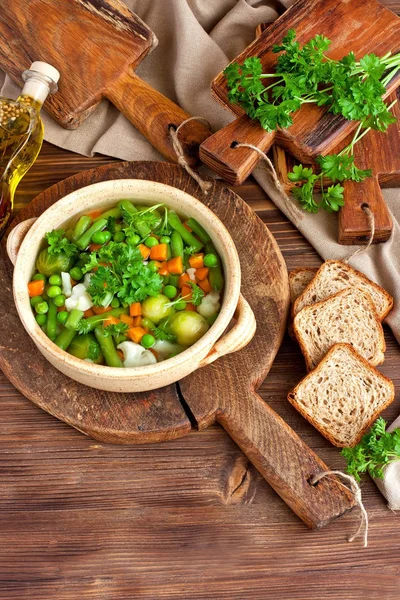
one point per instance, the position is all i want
(295, 216)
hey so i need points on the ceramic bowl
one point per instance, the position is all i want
(26, 240)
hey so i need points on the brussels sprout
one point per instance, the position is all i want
(188, 326)
(156, 308)
(86, 347)
(49, 264)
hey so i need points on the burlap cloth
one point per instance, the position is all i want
(196, 40)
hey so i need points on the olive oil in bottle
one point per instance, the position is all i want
(21, 132)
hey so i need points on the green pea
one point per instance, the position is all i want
(76, 273)
(41, 308)
(181, 305)
(35, 300)
(147, 324)
(62, 316)
(150, 242)
(170, 291)
(119, 236)
(41, 320)
(59, 300)
(210, 260)
(133, 240)
(53, 291)
(39, 277)
(55, 280)
(115, 303)
(165, 239)
(148, 340)
(101, 237)
(152, 265)
(117, 227)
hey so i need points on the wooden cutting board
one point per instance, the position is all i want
(223, 392)
(96, 45)
(362, 27)
(377, 151)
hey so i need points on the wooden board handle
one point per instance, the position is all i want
(231, 163)
(353, 221)
(285, 461)
(153, 114)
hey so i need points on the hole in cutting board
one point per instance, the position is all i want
(234, 144)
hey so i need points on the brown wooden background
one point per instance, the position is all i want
(187, 519)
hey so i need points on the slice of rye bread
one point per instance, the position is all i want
(347, 317)
(343, 396)
(299, 280)
(334, 276)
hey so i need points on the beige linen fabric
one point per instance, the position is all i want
(196, 40)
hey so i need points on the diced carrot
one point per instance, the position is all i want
(94, 247)
(175, 265)
(127, 319)
(159, 252)
(186, 292)
(120, 354)
(163, 270)
(201, 273)
(136, 321)
(190, 306)
(136, 334)
(183, 279)
(100, 310)
(111, 321)
(205, 286)
(154, 352)
(73, 282)
(35, 288)
(61, 308)
(135, 309)
(186, 226)
(88, 313)
(196, 261)
(144, 251)
(95, 213)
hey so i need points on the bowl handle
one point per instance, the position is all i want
(238, 337)
(16, 236)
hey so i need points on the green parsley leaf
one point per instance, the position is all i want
(197, 294)
(58, 243)
(116, 329)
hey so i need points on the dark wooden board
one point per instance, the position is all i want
(224, 391)
(190, 518)
(362, 27)
(95, 44)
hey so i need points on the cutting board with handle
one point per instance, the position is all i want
(377, 151)
(225, 391)
(363, 27)
(96, 45)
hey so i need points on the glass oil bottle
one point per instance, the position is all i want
(21, 132)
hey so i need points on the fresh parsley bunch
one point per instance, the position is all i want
(348, 87)
(377, 449)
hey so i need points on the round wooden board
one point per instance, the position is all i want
(159, 415)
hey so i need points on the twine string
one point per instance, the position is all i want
(371, 226)
(294, 214)
(355, 489)
(177, 146)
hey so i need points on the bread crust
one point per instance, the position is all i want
(293, 274)
(302, 344)
(389, 298)
(324, 431)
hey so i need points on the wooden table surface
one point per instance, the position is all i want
(184, 519)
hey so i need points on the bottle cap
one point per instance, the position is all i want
(45, 69)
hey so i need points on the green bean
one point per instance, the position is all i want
(82, 225)
(199, 230)
(107, 347)
(85, 239)
(215, 278)
(92, 322)
(127, 206)
(187, 237)
(64, 339)
(51, 324)
(73, 319)
(68, 234)
(116, 213)
(176, 244)
(173, 280)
